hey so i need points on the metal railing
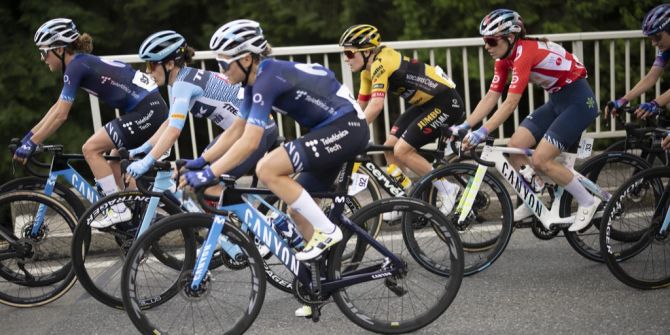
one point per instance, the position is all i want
(457, 56)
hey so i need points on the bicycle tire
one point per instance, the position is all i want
(634, 262)
(98, 257)
(621, 166)
(45, 273)
(485, 233)
(162, 318)
(437, 288)
(61, 191)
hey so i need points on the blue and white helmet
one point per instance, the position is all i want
(501, 22)
(656, 20)
(238, 37)
(163, 45)
(56, 33)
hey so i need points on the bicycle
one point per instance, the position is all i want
(35, 267)
(638, 142)
(197, 285)
(641, 208)
(485, 225)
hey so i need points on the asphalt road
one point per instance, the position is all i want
(536, 287)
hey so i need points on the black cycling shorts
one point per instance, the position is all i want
(420, 125)
(132, 129)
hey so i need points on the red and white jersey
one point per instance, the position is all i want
(545, 64)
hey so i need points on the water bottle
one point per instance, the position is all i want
(287, 229)
(396, 173)
(533, 180)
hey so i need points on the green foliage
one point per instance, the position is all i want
(28, 89)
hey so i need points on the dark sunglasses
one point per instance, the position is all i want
(350, 54)
(492, 41)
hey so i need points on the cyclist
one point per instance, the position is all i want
(656, 26)
(553, 127)
(63, 48)
(311, 95)
(431, 94)
(205, 93)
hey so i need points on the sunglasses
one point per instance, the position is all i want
(151, 66)
(44, 52)
(350, 54)
(492, 41)
(225, 64)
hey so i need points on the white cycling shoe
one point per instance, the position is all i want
(522, 212)
(584, 215)
(304, 311)
(113, 216)
(446, 201)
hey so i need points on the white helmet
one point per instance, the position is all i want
(56, 33)
(238, 37)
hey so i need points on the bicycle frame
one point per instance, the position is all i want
(529, 197)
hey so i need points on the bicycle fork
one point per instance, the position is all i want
(467, 200)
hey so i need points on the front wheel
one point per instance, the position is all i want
(640, 205)
(227, 301)
(408, 295)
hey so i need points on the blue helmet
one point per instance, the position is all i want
(163, 45)
(501, 22)
(656, 20)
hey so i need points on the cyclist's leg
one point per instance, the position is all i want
(93, 150)
(399, 126)
(530, 132)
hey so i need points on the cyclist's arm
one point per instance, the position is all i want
(225, 141)
(507, 108)
(163, 139)
(363, 103)
(52, 121)
(242, 148)
(645, 83)
(484, 108)
(44, 118)
(373, 108)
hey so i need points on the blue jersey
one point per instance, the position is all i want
(116, 83)
(662, 58)
(309, 93)
(205, 94)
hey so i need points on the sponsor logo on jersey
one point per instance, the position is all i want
(334, 137)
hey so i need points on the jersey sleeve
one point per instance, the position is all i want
(662, 59)
(500, 71)
(182, 94)
(523, 62)
(379, 79)
(263, 95)
(71, 80)
(364, 91)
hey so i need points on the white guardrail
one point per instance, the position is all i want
(461, 51)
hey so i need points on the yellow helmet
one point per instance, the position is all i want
(361, 36)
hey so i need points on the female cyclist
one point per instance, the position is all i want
(553, 127)
(63, 48)
(204, 93)
(431, 94)
(656, 26)
(311, 95)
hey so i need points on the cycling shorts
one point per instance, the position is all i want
(135, 127)
(267, 141)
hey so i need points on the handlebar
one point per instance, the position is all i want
(472, 154)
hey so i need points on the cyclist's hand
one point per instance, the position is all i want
(648, 109)
(614, 107)
(666, 141)
(195, 164)
(141, 150)
(138, 168)
(25, 151)
(455, 129)
(475, 137)
(198, 178)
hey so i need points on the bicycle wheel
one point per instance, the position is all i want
(487, 229)
(35, 270)
(228, 300)
(640, 204)
(98, 254)
(61, 192)
(417, 294)
(608, 170)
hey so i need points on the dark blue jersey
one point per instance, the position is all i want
(309, 93)
(116, 83)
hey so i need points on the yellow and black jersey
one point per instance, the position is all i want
(408, 78)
